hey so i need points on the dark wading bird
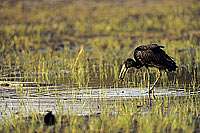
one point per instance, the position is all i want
(150, 55)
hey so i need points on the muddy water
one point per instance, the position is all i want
(85, 91)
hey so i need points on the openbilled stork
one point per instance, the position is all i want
(151, 55)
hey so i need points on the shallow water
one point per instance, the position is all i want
(84, 91)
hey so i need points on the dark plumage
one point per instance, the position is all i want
(151, 55)
(49, 119)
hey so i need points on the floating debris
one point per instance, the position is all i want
(24, 84)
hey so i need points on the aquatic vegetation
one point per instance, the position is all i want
(65, 57)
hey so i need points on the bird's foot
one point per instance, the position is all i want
(150, 91)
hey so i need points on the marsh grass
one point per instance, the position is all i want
(73, 53)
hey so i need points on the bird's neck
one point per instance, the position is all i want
(137, 64)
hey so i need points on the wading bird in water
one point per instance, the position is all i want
(151, 55)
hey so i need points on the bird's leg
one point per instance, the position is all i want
(160, 74)
(148, 84)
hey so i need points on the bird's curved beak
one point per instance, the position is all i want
(123, 72)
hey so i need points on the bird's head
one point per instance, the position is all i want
(127, 64)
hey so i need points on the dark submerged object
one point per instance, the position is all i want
(151, 55)
(49, 119)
